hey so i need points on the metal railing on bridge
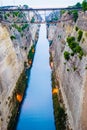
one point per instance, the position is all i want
(39, 9)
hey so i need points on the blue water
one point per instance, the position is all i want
(37, 108)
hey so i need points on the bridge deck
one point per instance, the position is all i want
(38, 9)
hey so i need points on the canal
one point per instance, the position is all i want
(37, 108)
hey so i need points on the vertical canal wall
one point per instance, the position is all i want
(15, 42)
(71, 73)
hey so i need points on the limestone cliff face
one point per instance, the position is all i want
(15, 43)
(10, 70)
(72, 74)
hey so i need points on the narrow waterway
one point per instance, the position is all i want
(37, 108)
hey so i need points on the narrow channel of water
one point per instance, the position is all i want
(37, 108)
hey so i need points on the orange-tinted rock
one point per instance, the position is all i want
(55, 91)
(33, 50)
(19, 97)
(51, 65)
(30, 62)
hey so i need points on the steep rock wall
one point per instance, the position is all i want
(14, 47)
(72, 74)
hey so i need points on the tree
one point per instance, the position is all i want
(32, 20)
(84, 5)
(78, 5)
(66, 55)
(25, 6)
(75, 15)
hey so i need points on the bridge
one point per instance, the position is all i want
(38, 10)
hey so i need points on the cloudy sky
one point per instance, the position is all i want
(40, 3)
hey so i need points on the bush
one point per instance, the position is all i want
(78, 49)
(80, 33)
(25, 26)
(67, 69)
(17, 27)
(73, 46)
(50, 42)
(5, 16)
(84, 5)
(62, 12)
(81, 54)
(30, 54)
(75, 15)
(76, 28)
(12, 37)
(15, 13)
(70, 39)
(72, 54)
(32, 20)
(66, 55)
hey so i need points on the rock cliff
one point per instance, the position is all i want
(16, 40)
(71, 71)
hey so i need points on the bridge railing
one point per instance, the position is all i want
(39, 9)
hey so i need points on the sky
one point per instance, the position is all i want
(40, 3)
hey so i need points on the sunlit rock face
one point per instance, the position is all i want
(14, 47)
(10, 70)
(72, 74)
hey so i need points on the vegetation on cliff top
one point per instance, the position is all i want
(84, 5)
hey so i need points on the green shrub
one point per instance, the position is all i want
(25, 26)
(75, 15)
(76, 28)
(30, 54)
(74, 68)
(78, 49)
(81, 54)
(73, 46)
(67, 69)
(32, 20)
(70, 39)
(72, 54)
(66, 55)
(8, 14)
(5, 16)
(80, 33)
(50, 42)
(15, 13)
(62, 12)
(84, 5)
(12, 37)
